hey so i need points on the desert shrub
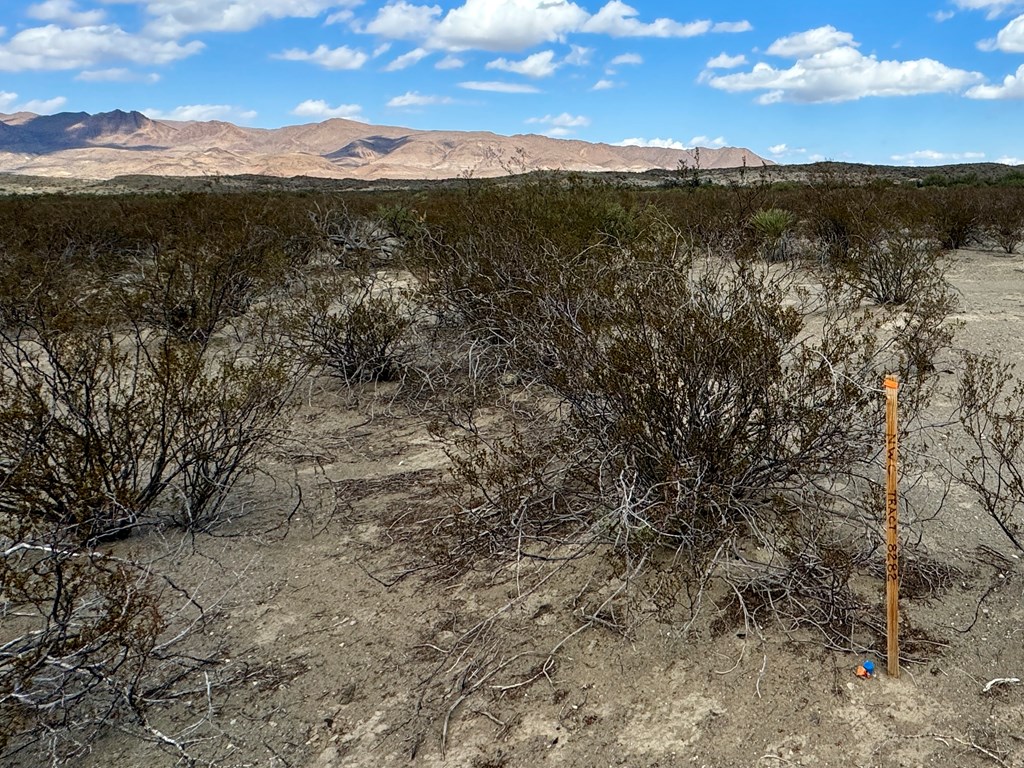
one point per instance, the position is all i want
(100, 430)
(658, 394)
(355, 241)
(990, 403)
(357, 328)
(78, 655)
(897, 267)
(954, 216)
(1004, 219)
(479, 262)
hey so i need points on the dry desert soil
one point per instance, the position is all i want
(372, 656)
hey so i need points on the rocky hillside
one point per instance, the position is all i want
(102, 146)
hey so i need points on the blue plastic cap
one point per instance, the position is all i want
(869, 666)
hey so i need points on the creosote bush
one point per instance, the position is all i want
(991, 410)
(680, 398)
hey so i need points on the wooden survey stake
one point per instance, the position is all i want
(892, 548)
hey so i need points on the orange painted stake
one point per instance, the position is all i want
(892, 550)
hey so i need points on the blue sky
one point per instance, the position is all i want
(902, 81)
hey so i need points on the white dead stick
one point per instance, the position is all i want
(1000, 681)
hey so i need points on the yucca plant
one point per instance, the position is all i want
(773, 228)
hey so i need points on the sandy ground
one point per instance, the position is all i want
(360, 633)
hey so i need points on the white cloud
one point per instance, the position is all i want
(178, 18)
(561, 125)
(318, 108)
(116, 75)
(328, 58)
(660, 143)
(603, 85)
(202, 112)
(725, 61)
(516, 25)
(450, 62)
(620, 20)
(931, 157)
(564, 120)
(1012, 88)
(993, 8)
(401, 20)
(941, 16)
(55, 48)
(414, 56)
(538, 65)
(845, 74)
(498, 87)
(1007, 160)
(1009, 40)
(818, 40)
(415, 99)
(65, 11)
(627, 58)
(579, 56)
(380, 50)
(507, 25)
(732, 26)
(339, 17)
(43, 106)
(778, 149)
(706, 141)
(9, 103)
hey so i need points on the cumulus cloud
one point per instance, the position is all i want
(1007, 160)
(993, 8)
(52, 47)
(406, 60)
(818, 40)
(725, 61)
(602, 85)
(498, 87)
(931, 157)
(116, 75)
(450, 62)
(404, 21)
(507, 25)
(178, 18)
(579, 56)
(843, 74)
(620, 20)
(564, 120)
(941, 16)
(320, 109)
(515, 25)
(627, 58)
(538, 65)
(706, 141)
(328, 58)
(561, 125)
(697, 141)
(1012, 87)
(1009, 40)
(9, 103)
(732, 26)
(203, 112)
(416, 99)
(64, 11)
(660, 143)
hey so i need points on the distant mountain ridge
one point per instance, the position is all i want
(110, 144)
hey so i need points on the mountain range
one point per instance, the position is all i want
(111, 144)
